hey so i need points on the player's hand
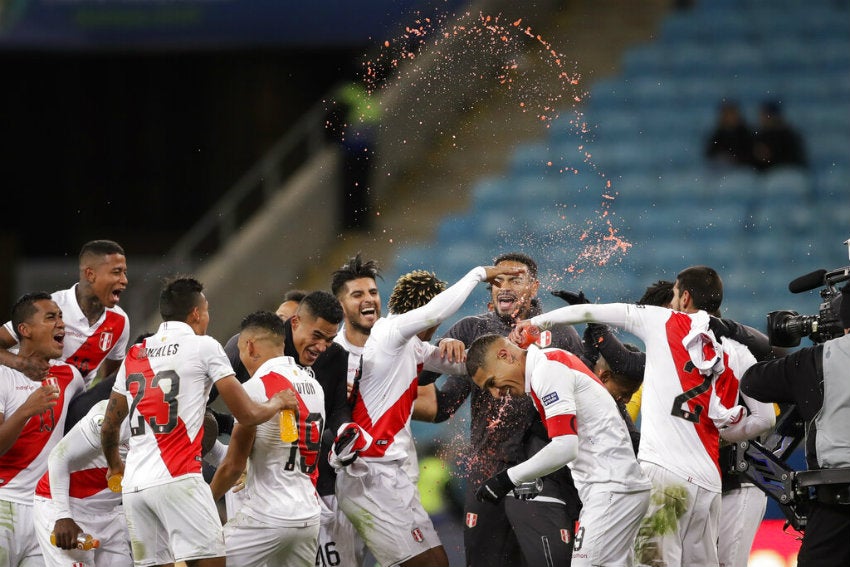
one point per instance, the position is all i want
(66, 531)
(240, 482)
(522, 330)
(453, 350)
(571, 297)
(41, 400)
(528, 490)
(495, 488)
(494, 272)
(720, 327)
(287, 399)
(350, 440)
(32, 367)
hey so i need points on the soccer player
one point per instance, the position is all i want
(32, 420)
(503, 433)
(73, 498)
(376, 485)
(586, 431)
(162, 389)
(690, 394)
(96, 328)
(278, 521)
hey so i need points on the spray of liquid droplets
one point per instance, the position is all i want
(472, 57)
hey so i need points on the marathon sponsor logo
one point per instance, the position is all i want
(105, 342)
(417, 535)
(550, 398)
(164, 350)
(471, 520)
(304, 388)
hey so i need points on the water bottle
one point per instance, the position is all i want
(529, 336)
(84, 541)
(288, 426)
(114, 482)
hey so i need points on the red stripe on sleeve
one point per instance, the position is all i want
(564, 424)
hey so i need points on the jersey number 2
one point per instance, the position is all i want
(685, 397)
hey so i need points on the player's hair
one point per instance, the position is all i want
(265, 321)
(179, 296)
(704, 285)
(659, 293)
(100, 248)
(413, 290)
(321, 304)
(521, 258)
(296, 295)
(353, 269)
(477, 353)
(24, 307)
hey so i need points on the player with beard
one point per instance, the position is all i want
(505, 432)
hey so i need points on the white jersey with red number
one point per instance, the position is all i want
(572, 401)
(167, 379)
(677, 432)
(77, 467)
(26, 460)
(392, 359)
(87, 346)
(280, 488)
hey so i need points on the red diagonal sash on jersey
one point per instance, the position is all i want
(92, 352)
(384, 430)
(309, 430)
(37, 431)
(83, 483)
(678, 326)
(180, 454)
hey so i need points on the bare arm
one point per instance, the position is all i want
(41, 400)
(247, 411)
(34, 368)
(425, 406)
(228, 472)
(110, 432)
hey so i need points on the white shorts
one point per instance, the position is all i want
(383, 504)
(607, 525)
(173, 522)
(108, 525)
(681, 525)
(339, 542)
(252, 543)
(741, 513)
(17, 536)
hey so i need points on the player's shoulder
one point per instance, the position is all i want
(118, 311)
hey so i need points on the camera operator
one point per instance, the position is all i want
(817, 380)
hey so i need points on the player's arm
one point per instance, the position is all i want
(110, 432)
(41, 400)
(760, 419)
(73, 452)
(107, 368)
(247, 411)
(34, 368)
(235, 461)
(616, 314)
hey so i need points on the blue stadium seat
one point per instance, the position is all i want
(789, 185)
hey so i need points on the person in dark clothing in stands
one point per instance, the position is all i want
(731, 142)
(777, 143)
(506, 432)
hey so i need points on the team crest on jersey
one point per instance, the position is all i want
(105, 342)
(550, 398)
(417, 535)
(471, 519)
(565, 536)
(545, 339)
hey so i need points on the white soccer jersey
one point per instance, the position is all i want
(572, 400)
(676, 430)
(354, 353)
(392, 359)
(25, 462)
(280, 486)
(167, 379)
(87, 346)
(76, 476)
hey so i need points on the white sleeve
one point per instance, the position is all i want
(441, 307)
(119, 350)
(436, 363)
(75, 451)
(11, 331)
(761, 419)
(560, 451)
(611, 313)
(218, 365)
